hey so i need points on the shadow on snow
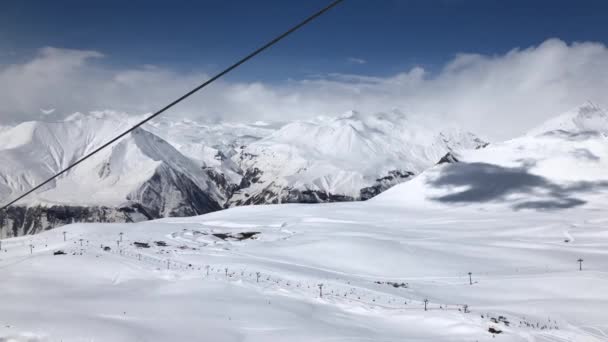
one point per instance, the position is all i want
(493, 183)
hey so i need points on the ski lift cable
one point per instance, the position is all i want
(183, 97)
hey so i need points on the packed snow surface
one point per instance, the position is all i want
(522, 269)
(490, 245)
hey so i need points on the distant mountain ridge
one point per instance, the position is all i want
(184, 168)
(586, 118)
(351, 157)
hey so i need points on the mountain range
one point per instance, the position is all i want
(506, 242)
(183, 168)
(172, 168)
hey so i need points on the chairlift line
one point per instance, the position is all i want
(183, 97)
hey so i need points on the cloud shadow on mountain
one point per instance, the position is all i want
(484, 182)
(584, 154)
(571, 136)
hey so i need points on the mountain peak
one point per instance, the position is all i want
(587, 117)
(351, 114)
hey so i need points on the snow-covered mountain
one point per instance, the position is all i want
(560, 164)
(586, 118)
(351, 157)
(502, 243)
(140, 177)
(182, 168)
(186, 168)
(210, 145)
(506, 243)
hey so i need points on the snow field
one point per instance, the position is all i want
(530, 276)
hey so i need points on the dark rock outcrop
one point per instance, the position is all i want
(251, 176)
(171, 193)
(393, 178)
(221, 181)
(21, 220)
(449, 158)
(166, 193)
(289, 195)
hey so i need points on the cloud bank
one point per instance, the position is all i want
(497, 96)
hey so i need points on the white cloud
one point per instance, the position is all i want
(47, 111)
(355, 60)
(498, 96)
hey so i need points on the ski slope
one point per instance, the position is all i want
(521, 268)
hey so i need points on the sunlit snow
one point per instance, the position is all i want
(491, 244)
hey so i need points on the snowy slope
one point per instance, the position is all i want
(585, 118)
(516, 215)
(557, 165)
(522, 270)
(140, 170)
(338, 158)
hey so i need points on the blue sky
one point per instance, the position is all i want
(496, 68)
(367, 37)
